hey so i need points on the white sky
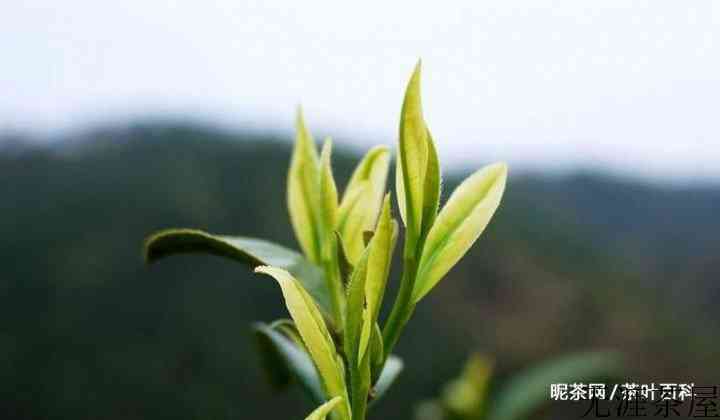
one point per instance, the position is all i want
(630, 86)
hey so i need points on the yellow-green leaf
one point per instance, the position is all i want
(356, 310)
(459, 224)
(303, 192)
(432, 185)
(400, 187)
(314, 333)
(370, 177)
(359, 370)
(412, 157)
(466, 396)
(328, 198)
(353, 211)
(322, 412)
(380, 253)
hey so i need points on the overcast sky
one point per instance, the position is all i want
(629, 86)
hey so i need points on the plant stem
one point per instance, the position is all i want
(403, 307)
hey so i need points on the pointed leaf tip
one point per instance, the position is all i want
(328, 200)
(303, 191)
(412, 158)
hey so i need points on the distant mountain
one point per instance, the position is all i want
(87, 331)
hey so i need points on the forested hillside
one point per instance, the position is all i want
(87, 331)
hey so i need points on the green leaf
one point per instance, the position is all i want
(368, 181)
(322, 412)
(526, 392)
(380, 253)
(390, 373)
(344, 264)
(359, 369)
(412, 159)
(284, 360)
(351, 219)
(432, 186)
(466, 396)
(328, 200)
(303, 193)
(314, 332)
(356, 310)
(377, 353)
(459, 224)
(249, 251)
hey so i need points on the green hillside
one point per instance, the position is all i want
(88, 332)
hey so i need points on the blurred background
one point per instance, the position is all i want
(118, 119)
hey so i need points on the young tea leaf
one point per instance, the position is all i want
(431, 188)
(322, 412)
(368, 182)
(344, 264)
(252, 252)
(303, 194)
(328, 200)
(412, 158)
(356, 310)
(466, 396)
(459, 224)
(380, 252)
(351, 219)
(314, 333)
(377, 353)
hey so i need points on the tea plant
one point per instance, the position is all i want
(334, 346)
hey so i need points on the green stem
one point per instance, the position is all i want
(403, 307)
(359, 387)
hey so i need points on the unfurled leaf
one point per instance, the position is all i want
(459, 224)
(322, 412)
(412, 158)
(363, 197)
(380, 252)
(314, 332)
(391, 371)
(526, 392)
(328, 199)
(466, 396)
(283, 360)
(303, 192)
(249, 251)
